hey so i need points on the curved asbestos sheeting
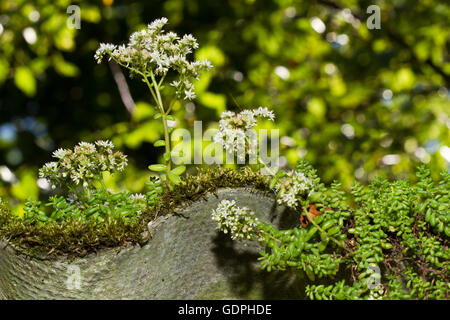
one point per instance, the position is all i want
(186, 258)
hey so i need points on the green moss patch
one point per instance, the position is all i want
(208, 180)
(75, 238)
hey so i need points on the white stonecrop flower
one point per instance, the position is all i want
(158, 24)
(104, 144)
(235, 130)
(240, 222)
(154, 51)
(103, 50)
(292, 186)
(189, 94)
(83, 164)
(60, 153)
(86, 147)
(264, 112)
(138, 196)
(50, 167)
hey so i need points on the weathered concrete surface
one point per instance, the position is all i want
(187, 258)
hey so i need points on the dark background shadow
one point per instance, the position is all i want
(240, 264)
(245, 276)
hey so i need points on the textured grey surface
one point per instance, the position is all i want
(186, 258)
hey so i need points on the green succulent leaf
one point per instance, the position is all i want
(157, 167)
(175, 179)
(178, 170)
(166, 156)
(159, 143)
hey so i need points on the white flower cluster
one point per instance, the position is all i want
(235, 128)
(83, 164)
(138, 197)
(376, 293)
(293, 185)
(240, 222)
(153, 50)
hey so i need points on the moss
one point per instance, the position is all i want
(207, 180)
(74, 238)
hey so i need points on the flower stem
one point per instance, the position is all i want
(154, 90)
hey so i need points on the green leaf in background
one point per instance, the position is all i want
(4, 69)
(213, 54)
(403, 80)
(64, 38)
(148, 131)
(63, 67)
(91, 13)
(214, 101)
(25, 81)
(143, 111)
(317, 107)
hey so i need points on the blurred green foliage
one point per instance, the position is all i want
(354, 102)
